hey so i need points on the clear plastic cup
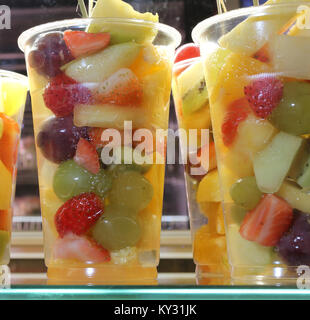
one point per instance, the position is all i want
(256, 68)
(203, 194)
(128, 80)
(13, 94)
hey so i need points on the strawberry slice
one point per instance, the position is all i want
(80, 248)
(121, 88)
(187, 51)
(63, 93)
(262, 54)
(82, 43)
(264, 94)
(86, 156)
(78, 214)
(236, 112)
(266, 223)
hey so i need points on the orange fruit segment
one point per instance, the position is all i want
(209, 249)
(9, 142)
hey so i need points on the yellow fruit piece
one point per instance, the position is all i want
(209, 188)
(147, 62)
(253, 135)
(244, 252)
(6, 187)
(234, 76)
(209, 249)
(295, 196)
(214, 213)
(120, 9)
(213, 66)
(12, 96)
(156, 94)
(122, 32)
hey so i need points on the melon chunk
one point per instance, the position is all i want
(244, 252)
(295, 196)
(272, 164)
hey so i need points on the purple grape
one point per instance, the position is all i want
(294, 245)
(49, 53)
(59, 137)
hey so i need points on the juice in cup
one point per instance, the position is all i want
(13, 94)
(203, 194)
(101, 220)
(257, 76)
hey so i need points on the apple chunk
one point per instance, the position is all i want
(272, 164)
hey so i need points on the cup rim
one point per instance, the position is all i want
(205, 24)
(13, 75)
(27, 34)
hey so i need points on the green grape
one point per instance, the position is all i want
(245, 193)
(70, 180)
(131, 190)
(115, 210)
(124, 160)
(115, 169)
(292, 115)
(102, 183)
(116, 232)
(238, 213)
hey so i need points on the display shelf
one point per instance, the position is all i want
(179, 292)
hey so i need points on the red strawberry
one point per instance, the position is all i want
(236, 112)
(121, 88)
(81, 42)
(187, 51)
(266, 223)
(80, 248)
(86, 156)
(262, 54)
(94, 135)
(63, 93)
(78, 214)
(264, 94)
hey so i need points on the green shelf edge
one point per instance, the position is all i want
(151, 293)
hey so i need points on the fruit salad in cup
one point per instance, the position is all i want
(88, 77)
(13, 94)
(203, 194)
(257, 76)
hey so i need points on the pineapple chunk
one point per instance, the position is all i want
(253, 135)
(209, 188)
(109, 116)
(99, 66)
(122, 32)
